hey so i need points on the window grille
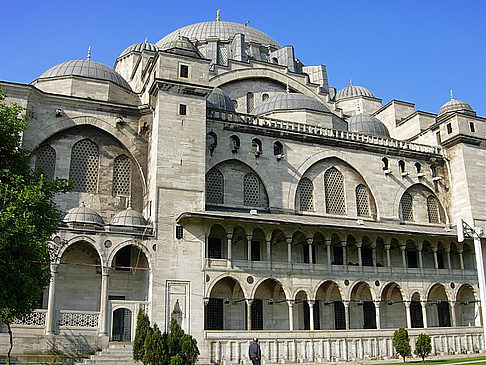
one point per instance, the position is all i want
(334, 187)
(432, 209)
(362, 201)
(339, 315)
(214, 314)
(306, 194)
(179, 232)
(263, 56)
(257, 314)
(214, 187)
(184, 71)
(223, 56)
(84, 166)
(416, 314)
(251, 190)
(250, 102)
(121, 176)
(46, 160)
(407, 207)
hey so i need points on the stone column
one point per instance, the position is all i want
(424, 312)
(104, 308)
(310, 241)
(345, 255)
(409, 317)
(269, 254)
(453, 314)
(448, 254)
(291, 314)
(377, 314)
(404, 257)
(229, 236)
(51, 305)
(420, 257)
(328, 251)
(436, 262)
(311, 314)
(289, 252)
(346, 314)
(461, 258)
(388, 259)
(373, 255)
(249, 302)
(248, 242)
(360, 259)
(206, 249)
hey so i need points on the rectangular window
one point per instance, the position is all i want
(184, 71)
(255, 250)
(214, 314)
(257, 314)
(182, 109)
(412, 259)
(214, 248)
(179, 232)
(471, 127)
(449, 128)
(339, 316)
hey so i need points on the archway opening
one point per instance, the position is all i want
(269, 309)
(330, 307)
(362, 313)
(416, 314)
(392, 307)
(226, 308)
(438, 308)
(302, 312)
(467, 309)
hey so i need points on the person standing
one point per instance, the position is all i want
(254, 352)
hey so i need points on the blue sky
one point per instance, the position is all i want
(410, 50)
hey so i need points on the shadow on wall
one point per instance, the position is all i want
(71, 347)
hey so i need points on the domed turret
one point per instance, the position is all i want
(182, 46)
(83, 216)
(454, 105)
(128, 218)
(290, 101)
(352, 91)
(367, 124)
(218, 99)
(139, 47)
(85, 68)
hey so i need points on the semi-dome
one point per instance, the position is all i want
(139, 47)
(290, 101)
(182, 46)
(218, 99)
(128, 218)
(223, 31)
(352, 91)
(454, 105)
(86, 68)
(367, 124)
(83, 215)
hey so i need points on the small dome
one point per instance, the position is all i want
(139, 47)
(223, 31)
(352, 91)
(367, 124)
(454, 105)
(83, 215)
(218, 99)
(128, 218)
(182, 46)
(290, 101)
(86, 68)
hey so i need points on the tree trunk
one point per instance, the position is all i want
(11, 342)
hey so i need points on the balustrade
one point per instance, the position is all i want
(36, 318)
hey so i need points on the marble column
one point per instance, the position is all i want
(388, 258)
(291, 314)
(404, 257)
(424, 312)
(448, 254)
(249, 302)
(373, 255)
(289, 252)
(248, 243)
(345, 255)
(328, 251)
(409, 317)
(436, 262)
(346, 314)
(360, 259)
(461, 259)
(311, 314)
(104, 307)
(377, 314)
(51, 305)
(310, 242)
(229, 237)
(453, 314)
(269, 254)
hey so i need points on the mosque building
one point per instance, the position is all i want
(220, 181)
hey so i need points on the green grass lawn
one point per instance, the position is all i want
(445, 361)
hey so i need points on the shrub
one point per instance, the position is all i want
(143, 327)
(401, 342)
(423, 346)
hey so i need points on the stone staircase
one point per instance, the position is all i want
(115, 353)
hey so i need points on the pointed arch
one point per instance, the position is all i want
(334, 191)
(83, 170)
(305, 195)
(214, 187)
(46, 160)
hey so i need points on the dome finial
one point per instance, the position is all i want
(217, 16)
(350, 82)
(89, 53)
(146, 40)
(452, 95)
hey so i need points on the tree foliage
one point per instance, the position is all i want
(401, 342)
(143, 326)
(423, 346)
(28, 219)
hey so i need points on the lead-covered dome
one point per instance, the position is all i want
(290, 101)
(139, 47)
(367, 124)
(86, 68)
(223, 31)
(128, 218)
(83, 215)
(182, 46)
(454, 105)
(218, 99)
(352, 91)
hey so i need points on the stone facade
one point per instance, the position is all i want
(283, 225)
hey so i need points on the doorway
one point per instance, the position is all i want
(122, 325)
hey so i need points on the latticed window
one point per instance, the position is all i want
(214, 187)
(223, 56)
(306, 194)
(264, 56)
(334, 187)
(121, 176)
(84, 166)
(433, 209)
(46, 160)
(407, 207)
(251, 190)
(250, 102)
(362, 201)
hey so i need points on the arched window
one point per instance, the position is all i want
(277, 148)
(251, 190)
(46, 160)
(256, 147)
(263, 56)
(334, 188)
(250, 102)
(214, 187)
(401, 166)
(121, 176)
(406, 207)
(275, 60)
(362, 201)
(305, 189)
(418, 167)
(385, 163)
(211, 141)
(235, 143)
(264, 96)
(84, 166)
(433, 209)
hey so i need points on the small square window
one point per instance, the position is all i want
(471, 127)
(184, 71)
(179, 232)
(449, 128)
(182, 109)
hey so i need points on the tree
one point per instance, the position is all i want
(423, 346)
(182, 347)
(143, 326)
(401, 342)
(28, 219)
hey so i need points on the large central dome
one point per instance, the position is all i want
(223, 31)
